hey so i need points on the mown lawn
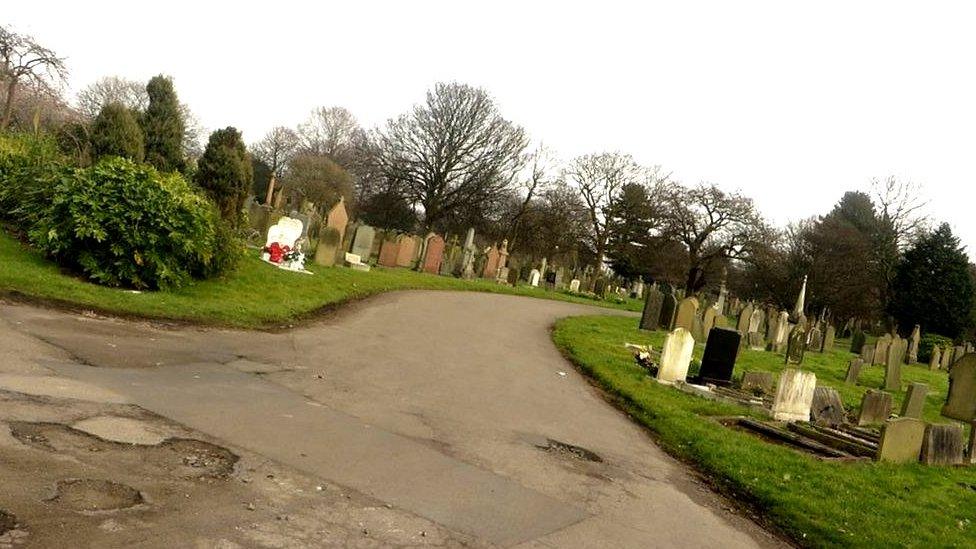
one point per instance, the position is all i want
(255, 295)
(817, 503)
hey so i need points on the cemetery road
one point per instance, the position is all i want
(453, 408)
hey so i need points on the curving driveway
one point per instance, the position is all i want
(454, 407)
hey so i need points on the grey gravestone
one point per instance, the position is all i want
(600, 287)
(935, 358)
(827, 408)
(913, 341)
(757, 382)
(669, 308)
(718, 361)
(857, 342)
(652, 310)
(958, 352)
(795, 346)
(881, 349)
(853, 371)
(756, 341)
(942, 444)
(896, 354)
(875, 407)
(815, 339)
(828, 342)
(961, 400)
(971, 452)
(745, 317)
(914, 401)
(362, 244)
(901, 440)
(328, 247)
(867, 354)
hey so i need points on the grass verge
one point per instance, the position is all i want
(255, 295)
(816, 503)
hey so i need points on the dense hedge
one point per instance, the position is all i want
(118, 222)
(927, 341)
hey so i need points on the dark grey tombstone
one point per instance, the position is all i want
(827, 408)
(914, 401)
(857, 342)
(796, 345)
(761, 382)
(942, 444)
(652, 310)
(718, 361)
(875, 407)
(669, 309)
(600, 287)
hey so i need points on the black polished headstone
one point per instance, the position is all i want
(721, 350)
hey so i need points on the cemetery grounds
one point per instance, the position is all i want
(815, 502)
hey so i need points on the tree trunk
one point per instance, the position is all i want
(8, 105)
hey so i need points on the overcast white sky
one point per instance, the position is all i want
(792, 104)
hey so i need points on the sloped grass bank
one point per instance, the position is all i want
(255, 295)
(816, 503)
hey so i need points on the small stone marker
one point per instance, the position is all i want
(652, 309)
(828, 342)
(875, 407)
(901, 440)
(827, 408)
(676, 356)
(574, 285)
(936, 358)
(794, 395)
(857, 342)
(896, 353)
(914, 401)
(753, 382)
(718, 361)
(961, 400)
(942, 444)
(853, 371)
(534, 276)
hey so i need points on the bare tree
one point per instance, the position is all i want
(332, 132)
(455, 152)
(24, 61)
(540, 176)
(712, 225)
(598, 178)
(112, 89)
(900, 218)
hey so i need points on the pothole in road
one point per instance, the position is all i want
(7, 522)
(91, 495)
(578, 452)
(208, 459)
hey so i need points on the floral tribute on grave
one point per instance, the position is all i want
(285, 245)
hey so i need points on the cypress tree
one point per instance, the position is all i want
(115, 132)
(933, 286)
(225, 173)
(163, 126)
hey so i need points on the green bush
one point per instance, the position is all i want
(116, 132)
(927, 341)
(29, 166)
(125, 224)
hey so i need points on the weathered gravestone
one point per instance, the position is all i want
(958, 352)
(755, 321)
(942, 444)
(795, 346)
(814, 339)
(853, 371)
(676, 356)
(896, 356)
(687, 312)
(708, 320)
(782, 332)
(935, 358)
(961, 400)
(914, 401)
(745, 316)
(600, 287)
(433, 254)
(756, 342)
(827, 408)
(881, 349)
(330, 240)
(901, 440)
(971, 448)
(875, 407)
(857, 342)
(828, 342)
(913, 340)
(362, 242)
(772, 325)
(574, 285)
(406, 250)
(794, 395)
(491, 263)
(867, 354)
(669, 310)
(718, 360)
(652, 308)
(757, 382)
(946, 358)
(389, 250)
